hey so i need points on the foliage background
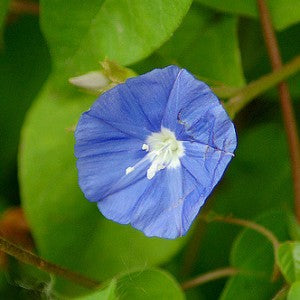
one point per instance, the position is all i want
(219, 41)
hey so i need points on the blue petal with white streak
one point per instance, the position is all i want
(151, 150)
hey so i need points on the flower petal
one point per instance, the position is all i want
(152, 91)
(211, 126)
(194, 200)
(104, 154)
(205, 164)
(119, 206)
(117, 102)
(186, 89)
(159, 214)
(194, 113)
(157, 206)
(95, 137)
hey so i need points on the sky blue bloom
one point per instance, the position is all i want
(151, 150)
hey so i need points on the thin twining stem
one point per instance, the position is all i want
(256, 227)
(281, 293)
(32, 259)
(288, 114)
(246, 94)
(210, 276)
(249, 224)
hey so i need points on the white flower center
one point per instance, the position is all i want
(164, 151)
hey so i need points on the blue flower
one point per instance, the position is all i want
(151, 150)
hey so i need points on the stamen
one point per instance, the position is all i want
(164, 151)
(129, 170)
(150, 173)
(145, 147)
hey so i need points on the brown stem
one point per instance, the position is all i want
(282, 293)
(24, 7)
(285, 100)
(220, 273)
(258, 228)
(242, 97)
(32, 259)
(246, 223)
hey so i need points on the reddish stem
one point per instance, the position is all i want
(285, 101)
(30, 258)
(213, 275)
(24, 7)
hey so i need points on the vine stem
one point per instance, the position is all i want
(285, 101)
(230, 271)
(32, 259)
(249, 224)
(213, 275)
(254, 226)
(240, 98)
(24, 7)
(281, 294)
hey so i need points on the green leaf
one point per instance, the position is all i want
(108, 293)
(4, 4)
(289, 260)
(253, 255)
(294, 292)
(202, 41)
(149, 284)
(284, 12)
(248, 288)
(68, 229)
(81, 33)
(143, 284)
(252, 251)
